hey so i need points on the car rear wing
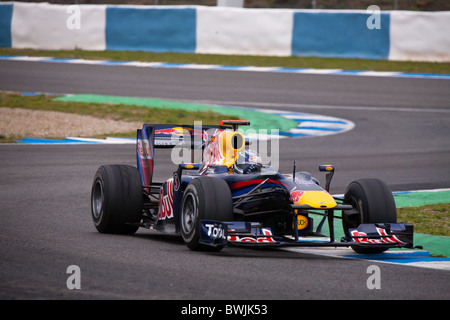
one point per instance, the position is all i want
(193, 137)
(153, 136)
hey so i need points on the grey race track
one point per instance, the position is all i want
(401, 136)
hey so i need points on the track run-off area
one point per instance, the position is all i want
(399, 129)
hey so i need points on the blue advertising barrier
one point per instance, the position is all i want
(396, 35)
(339, 35)
(156, 30)
(6, 11)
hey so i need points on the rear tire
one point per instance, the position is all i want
(205, 198)
(116, 199)
(374, 203)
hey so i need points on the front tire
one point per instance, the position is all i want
(116, 199)
(374, 203)
(205, 198)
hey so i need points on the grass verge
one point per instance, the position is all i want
(237, 60)
(429, 219)
(106, 111)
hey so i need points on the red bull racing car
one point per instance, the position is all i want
(230, 198)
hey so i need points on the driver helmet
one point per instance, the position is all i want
(247, 161)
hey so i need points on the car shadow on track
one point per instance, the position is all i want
(159, 236)
(232, 252)
(268, 253)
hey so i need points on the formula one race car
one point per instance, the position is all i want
(230, 198)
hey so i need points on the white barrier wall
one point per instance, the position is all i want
(402, 35)
(244, 32)
(58, 27)
(420, 36)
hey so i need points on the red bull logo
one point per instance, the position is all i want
(295, 196)
(179, 131)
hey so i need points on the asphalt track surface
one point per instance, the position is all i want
(401, 136)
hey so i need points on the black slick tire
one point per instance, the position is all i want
(205, 198)
(116, 199)
(374, 203)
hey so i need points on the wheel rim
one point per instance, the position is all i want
(188, 213)
(353, 223)
(97, 199)
(357, 205)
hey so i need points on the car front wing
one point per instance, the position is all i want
(241, 233)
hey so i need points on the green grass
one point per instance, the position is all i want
(236, 60)
(107, 111)
(429, 219)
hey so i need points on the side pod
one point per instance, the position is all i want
(145, 152)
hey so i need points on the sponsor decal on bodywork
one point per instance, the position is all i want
(362, 237)
(213, 233)
(254, 239)
(165, 210)
(388, 233)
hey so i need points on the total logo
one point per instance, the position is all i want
(215, 232)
